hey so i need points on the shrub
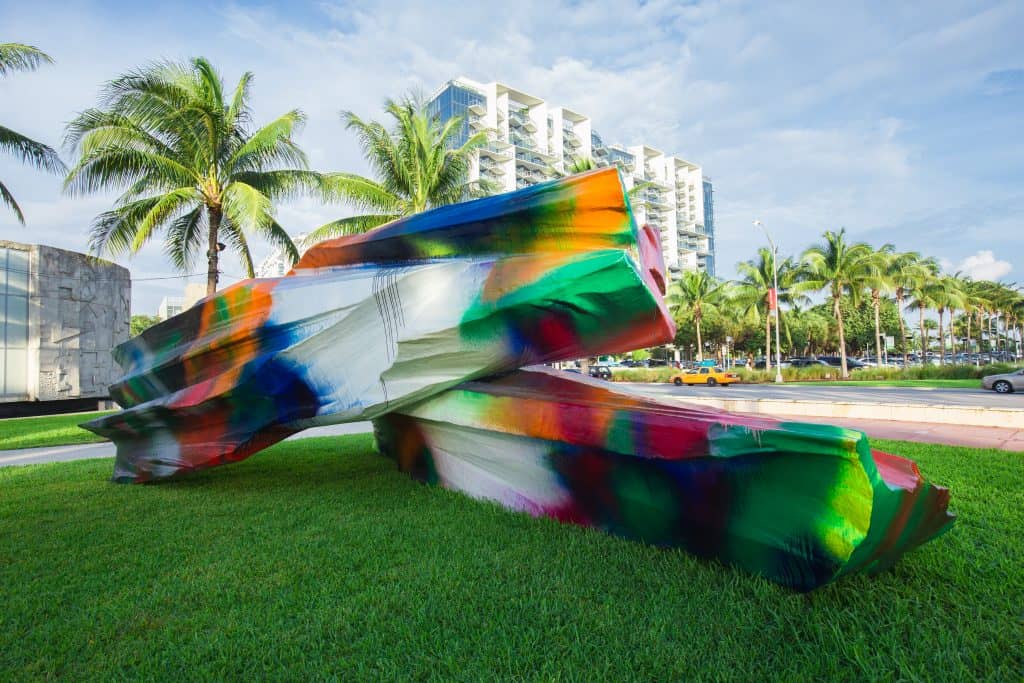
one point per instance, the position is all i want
(822, 373)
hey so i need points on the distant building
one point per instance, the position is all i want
(171, 306)
(532, 141)
(61, 314)
(278, 264)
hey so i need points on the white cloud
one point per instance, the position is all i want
(983, 266)
(809, 119)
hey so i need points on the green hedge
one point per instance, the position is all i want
(821, 372)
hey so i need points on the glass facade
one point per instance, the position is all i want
(621, 157)
(13, 323)
(452, 101)
(709, 225)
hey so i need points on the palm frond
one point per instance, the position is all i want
(29, 151)
(7, 198)
(348, 226)
(185, 235)
(21, 57)
(270, 145)
(167, 207)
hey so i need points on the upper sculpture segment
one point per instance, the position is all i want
(369, 323)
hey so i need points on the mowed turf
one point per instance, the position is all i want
(318, 559)
(48, 430)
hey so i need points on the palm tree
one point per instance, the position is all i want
(752, 290)
(946, 295)
(698, 292)
(417, 163)
(184, 153)
(879, 281)
(841, 268)
(18, 57)
(922, 291)
(904, 270)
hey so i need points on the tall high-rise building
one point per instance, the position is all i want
(531, 140)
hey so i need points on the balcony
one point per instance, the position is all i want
(531, 159)
(524, 141)
(570, 140)
(496, 149)
(491, 166)
(476, 123)
(521, 119)
(477, 109)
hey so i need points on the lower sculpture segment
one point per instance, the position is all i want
(801, 504)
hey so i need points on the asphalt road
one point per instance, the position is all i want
(844, 394)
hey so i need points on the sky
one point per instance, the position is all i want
(901, 122)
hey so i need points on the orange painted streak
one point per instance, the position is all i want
(228, 342)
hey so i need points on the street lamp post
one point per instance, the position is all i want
(774, 300)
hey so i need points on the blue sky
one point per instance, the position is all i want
(900, 121)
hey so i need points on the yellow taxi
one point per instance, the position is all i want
(705, 375)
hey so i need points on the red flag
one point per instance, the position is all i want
(773, 300)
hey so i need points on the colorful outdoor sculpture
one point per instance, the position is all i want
(404, 324)
(801, 504)
(374, 322)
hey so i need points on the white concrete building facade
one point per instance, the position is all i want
(531, 141)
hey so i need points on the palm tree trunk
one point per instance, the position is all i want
(924, 340)
(700, 345)
(967, 337)
(213, 254)
(842, 337)
(942, 339)
(981, 332)
(903, 325)
(877, 303)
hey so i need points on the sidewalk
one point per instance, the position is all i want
(35, 456)
(922, 432)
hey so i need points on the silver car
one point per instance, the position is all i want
(1005, 384)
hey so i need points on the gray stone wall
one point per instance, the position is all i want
(79, 310)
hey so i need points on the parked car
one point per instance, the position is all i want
(804, 362)
(760, 364)
(836, 361)
(709, 376)
(655, 363)
(1006, 383)
(601, 371)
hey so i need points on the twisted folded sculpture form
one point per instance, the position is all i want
(396, 325)
(371, 323)
(801, 504)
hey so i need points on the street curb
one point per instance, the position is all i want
(968, 416)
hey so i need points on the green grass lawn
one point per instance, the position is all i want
(318, 559)
(48, 430)
(925, 383)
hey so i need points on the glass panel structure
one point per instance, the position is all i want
(709, 225)
(454, 100)
(13, 323)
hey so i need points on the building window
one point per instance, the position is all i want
(13, 323)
